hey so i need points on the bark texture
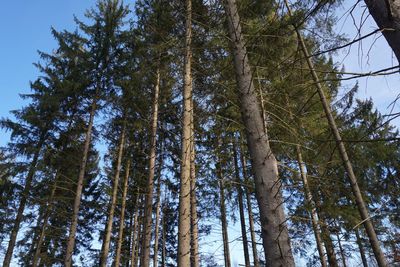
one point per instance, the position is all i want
(267, 183)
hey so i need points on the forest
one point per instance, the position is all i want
(204, 133)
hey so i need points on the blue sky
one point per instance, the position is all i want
(25, 28)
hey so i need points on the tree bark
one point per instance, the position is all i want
(184, 229)
(362, 208)
(107, 235)
(386, 14)
(249, 209)
(225, 238)
(148, 208)
(241, 208)
(24, 197)
(361, 248)
(163, 249)
(157, 219)
(135, 232)
(267, 183)
(122, 216)
(78, 193)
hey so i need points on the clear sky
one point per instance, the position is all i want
(25, 28)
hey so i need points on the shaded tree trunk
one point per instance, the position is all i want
(78, 193)
(330, 249)
(135, 232)
(241, 208)
(22, 203)
(148, 206)
(386, 14)
(361, 248)
(122, 216)
(107, 235)
(267, 183)
(342, 254)
(184, 229)
(157, 219)
(362, 208)
(163, 249)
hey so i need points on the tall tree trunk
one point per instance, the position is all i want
(361, 248)
(194, 252)
(135, 231)
(267, 183)
(164, 241)
(107, 235)
(78, 193)
(241, 208)
(46, 216)
(22, 203)
(330, 249)
(310, 201)
(148, 210)
(362, 208)
(249, 208)
(387, 16)
(342, 255)
(157, 219)
(225, 238)
(122, 216)
(184, 229)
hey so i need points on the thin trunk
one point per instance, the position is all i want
(122, 216)
(157, 219)
(24, 197)
(139, 234)
(342, 255)
(46, 216)
(267, 183)
(135, 232)
(241, 208)
(249, 209)
(310, 201)
(364, 214)
(184, 229)
(107, 235)
(148, 210)
(225, 238)
(361, 248)
(194, 253)
(78, 193)
(164, 249)
(330, 249)
(130, 238)
(387, 16)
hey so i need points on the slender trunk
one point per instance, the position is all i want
(364, 214)
(46, 216)
(184, 229)
(330, 249)
(122, 216)
(310, 201)
(139, 234)
(130, 238)
(387, 16)
(78, 193)
(148, 210)
(342, 255)
(361, 248)
(157, 219)
(194, 253)
(249, 209)
(135, 232)
(241, 208)
(24, 197)
(164, 248)
(107, 235)
(267, 183)
(225, 238)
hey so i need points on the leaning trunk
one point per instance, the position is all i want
(107, 236)
(267, 183)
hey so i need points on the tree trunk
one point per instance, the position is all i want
(241, 208)
(135, 232)
(361, 248)
(342, 255)
(330, 249)
(194, 252)
(163, 249)
(221, 183)
(184, 228)
(249, 209)
(310, 201)
(364, 214)
(107, 235)
(267, 183)
(24, 197)
(78, 193)
(157, 219)
(46, 216)
(122, 216)
(148, 210)
(387, 16)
